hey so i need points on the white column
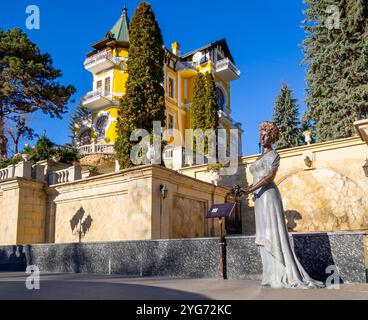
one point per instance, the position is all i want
(180, 98)
(185, 89)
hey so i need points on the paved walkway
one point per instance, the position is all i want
(97, 287)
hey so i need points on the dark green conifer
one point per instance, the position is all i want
(144, 101)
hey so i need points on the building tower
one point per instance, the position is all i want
(108, 64)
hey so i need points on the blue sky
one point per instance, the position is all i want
(264, 37)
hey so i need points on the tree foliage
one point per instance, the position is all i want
(144, 101)
(204, 113)
(28, 81)
(336, 53)
(79, 118)
(20, 130)
(286, 117)
(212, 111)
(199, 103)
(45, 149)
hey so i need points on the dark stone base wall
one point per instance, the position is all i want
(191, 258)
(316, 252)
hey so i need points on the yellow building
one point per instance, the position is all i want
(108, 64)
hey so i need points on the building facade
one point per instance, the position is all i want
(108, 65)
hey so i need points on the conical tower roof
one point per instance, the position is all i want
(120, 31)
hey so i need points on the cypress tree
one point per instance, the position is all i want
(212, 112)
(198, 108)
(286, 118)
(144, 101)
(337, 58)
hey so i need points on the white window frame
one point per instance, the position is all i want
(110, 75)
(226, 107)
(168, 115)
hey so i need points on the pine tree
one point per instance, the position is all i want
(286, 118)
(79, 117)
(336, 53)
(28, 81)
(19, 130)
(144, 101)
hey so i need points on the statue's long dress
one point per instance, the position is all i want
(281, 268)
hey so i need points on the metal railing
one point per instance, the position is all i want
(94, 94)
(97, 57)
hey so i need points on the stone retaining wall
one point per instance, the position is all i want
(191, 258)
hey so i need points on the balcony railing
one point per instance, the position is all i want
(97, 148)
(97, 99)
(95, 94)
(226, 68)
(100, 61)
(98, 57)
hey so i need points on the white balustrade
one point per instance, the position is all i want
(226, 63)
(21, 170)
(97, 148)
(94, 94)
(71, 174)
(7, 173)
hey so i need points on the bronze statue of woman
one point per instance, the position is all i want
(281, 268)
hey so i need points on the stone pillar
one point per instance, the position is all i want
(75, 173)
(39, 173)
(52, 178)
(23, 170)
(22, 212)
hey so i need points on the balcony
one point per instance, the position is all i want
(227, 71)
(99, 62)
(96, 100)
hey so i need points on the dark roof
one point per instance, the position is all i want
(222, 43)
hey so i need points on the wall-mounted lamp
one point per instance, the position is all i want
(163, 191)
(365, 168)
(308, 162)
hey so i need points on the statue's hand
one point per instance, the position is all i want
(235, 189)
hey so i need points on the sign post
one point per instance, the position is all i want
(222, 211)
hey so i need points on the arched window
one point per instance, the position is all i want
(101, 125)
(220, 99)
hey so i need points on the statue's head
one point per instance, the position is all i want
(270, 134)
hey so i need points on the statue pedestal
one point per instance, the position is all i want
(362, 128)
